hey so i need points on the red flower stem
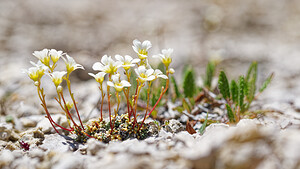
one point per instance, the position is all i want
(163, 92)
(148, 99)
(128, 104)
(116, 111)
(62, 107)
(67, 110)
(102, 99)
(74, 102)
(127, 96)
(108, 101)
(42, 98)
(135, 102)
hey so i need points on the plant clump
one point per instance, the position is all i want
(222, 102)
(111, 81)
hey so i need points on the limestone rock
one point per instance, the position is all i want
(173, 126)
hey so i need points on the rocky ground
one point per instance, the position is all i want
(238, 32)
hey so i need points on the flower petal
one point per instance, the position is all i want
(135, 61)
(120, 58)
(147, 45)
(135, 49)
(104, 59)
(149, 72)
(157, 72)
(92, 74)
(79, 66)
(163, 76)
(137, 43)
(151, 78)
(116, 78)
(109, 83)
(141, 69)
(128, 58)
(125, 83)
(98, 66)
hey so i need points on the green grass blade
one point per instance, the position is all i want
(133, 82)
(186, 106)
(266, 83)
(230, 113)
(223, 85)
(178, 95)
(202, 128)
(189, 86)
(251, 82)
(251, 90)
(210, 71)
(234, 91)
(251, 71)
(241, 91)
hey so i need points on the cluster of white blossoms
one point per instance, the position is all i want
(113, 68)
(143, 70)
(47, 63)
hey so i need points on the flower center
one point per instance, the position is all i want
(143, 51)
(143, 75)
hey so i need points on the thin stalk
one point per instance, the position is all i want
(74, 102)
(136, 99)
(128, 104)
(148, 99)
(81, 130)
(67, 110)
(44, 105)
(127, 93)
(108, 101)
(161, 94)
(62, 107)
(102, 95)
(118, 106)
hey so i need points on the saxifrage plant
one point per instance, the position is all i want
(118, 127)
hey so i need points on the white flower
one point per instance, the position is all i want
(107, 65)
(33, 73)
(165, 57)
(99, 76)
(55, 55)
(71, 65)
(144, 74)
(127, 61)
(141, 48)
(37, 71)
(43, 56)
(57, 76)
(157, 73)
(40, 65)
(117, 84)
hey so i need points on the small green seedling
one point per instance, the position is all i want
(210, 72)
(240, 94)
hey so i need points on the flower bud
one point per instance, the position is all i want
(59, 89)
(69, 105)
(171, 70)
(36, 83)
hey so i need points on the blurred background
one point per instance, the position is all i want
(236, 31)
